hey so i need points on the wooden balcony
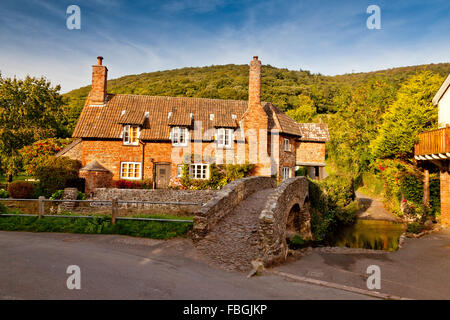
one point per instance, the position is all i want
(434, 144)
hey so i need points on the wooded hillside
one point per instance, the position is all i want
(287, 89)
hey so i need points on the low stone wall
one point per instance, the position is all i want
(225, 200)
(274, 218)
(158, 195)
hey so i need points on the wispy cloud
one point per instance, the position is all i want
(141, 36)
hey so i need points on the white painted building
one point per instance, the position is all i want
(442, 99)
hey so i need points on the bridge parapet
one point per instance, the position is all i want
(224, 202)
(288, 204)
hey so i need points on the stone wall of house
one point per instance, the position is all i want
(74, 153)
(95, 179)
(110, 154)
(310, 152)
(157, 195)
(274, 218)
(225, 200)
(287, 158)
(445, 197)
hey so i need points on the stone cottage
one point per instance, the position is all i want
(138, 137)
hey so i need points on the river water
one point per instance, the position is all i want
(370, 234)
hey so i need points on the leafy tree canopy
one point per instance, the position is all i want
(411, 113)
(30, 109)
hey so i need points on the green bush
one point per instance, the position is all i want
(54, 173)
(3, 208)
(333, 205)
(301, 172)
(435, 197)
(219, 176)
(58, 195)
(4, 193)
(21, 189)
(339, 189)
(415, 227)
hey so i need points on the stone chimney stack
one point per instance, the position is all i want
(254, 84)
(99, 81)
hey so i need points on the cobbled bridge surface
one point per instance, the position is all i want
(250, 219)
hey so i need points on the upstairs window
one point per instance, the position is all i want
(224, 137)
(287, 145)
(180, 136)
(131, 135)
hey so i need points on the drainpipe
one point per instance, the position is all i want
(143, 158)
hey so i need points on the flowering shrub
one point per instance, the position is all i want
(128, 184)
(134, 184)
(403, 189)
(38, 152)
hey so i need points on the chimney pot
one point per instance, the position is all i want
(99, 60)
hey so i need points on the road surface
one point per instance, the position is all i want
(34, 265)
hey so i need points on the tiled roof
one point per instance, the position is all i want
(181, 116)
(105, 122)
(222, 119)
(94, 166)
(132, 117)
(314, 132)
(284, 122)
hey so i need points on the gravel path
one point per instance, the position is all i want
(232, 245)
(373, 209)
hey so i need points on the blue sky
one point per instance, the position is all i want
(328, 37)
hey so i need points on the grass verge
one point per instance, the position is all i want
(99, 225)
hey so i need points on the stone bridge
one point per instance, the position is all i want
(251, 219)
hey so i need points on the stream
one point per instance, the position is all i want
(370, 234)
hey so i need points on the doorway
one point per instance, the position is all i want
(162, 175)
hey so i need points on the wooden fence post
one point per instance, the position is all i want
(114, 210)
(41, 206)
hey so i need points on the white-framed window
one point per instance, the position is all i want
(130, 170)
(224, 137)
(287, 145)
(131, 134)
(286, 173)
(199, 171)
(179, 171)
(179, 136)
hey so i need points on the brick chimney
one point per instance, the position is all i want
(99, 80)
(254, 84)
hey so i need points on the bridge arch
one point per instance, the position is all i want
(286, 213)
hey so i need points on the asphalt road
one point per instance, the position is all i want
(33, 266)
(419, 270)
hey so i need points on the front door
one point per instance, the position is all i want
(162, 175)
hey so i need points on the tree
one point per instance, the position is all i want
(357, 121)
(306, 110)
(30, 110)
(411, 113)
